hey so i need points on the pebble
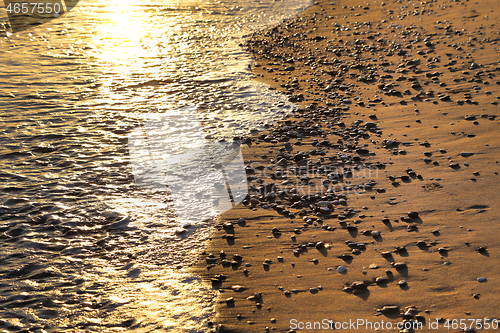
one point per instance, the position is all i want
(389, 309)
(482, 249)
(341, 269)
(474, 66)
(422, 244)
(358, 287)
(238, 288)
(413, 214)
(399, 265)
(402, 283)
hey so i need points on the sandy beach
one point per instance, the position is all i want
(375, 202)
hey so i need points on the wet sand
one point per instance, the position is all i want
(399, 118)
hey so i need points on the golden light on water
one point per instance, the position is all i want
(122, 33)
(130, 33)
(138, 41)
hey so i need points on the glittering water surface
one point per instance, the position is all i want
(83, 248)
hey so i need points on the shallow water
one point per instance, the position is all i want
(83, 247)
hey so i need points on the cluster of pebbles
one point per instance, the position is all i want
(313, 175)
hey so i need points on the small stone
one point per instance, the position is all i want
(411, 227)
(401, 249)
(413, 214)
(482, 249)
(400, 265)
(482, 279)
(238, 288)
(358, 285)
(346, 257)
(421, 243)
(320, 245)
(409, 313)
(341, 269)
(386, 254)
(389, 309)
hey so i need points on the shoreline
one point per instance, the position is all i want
(398, 115)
